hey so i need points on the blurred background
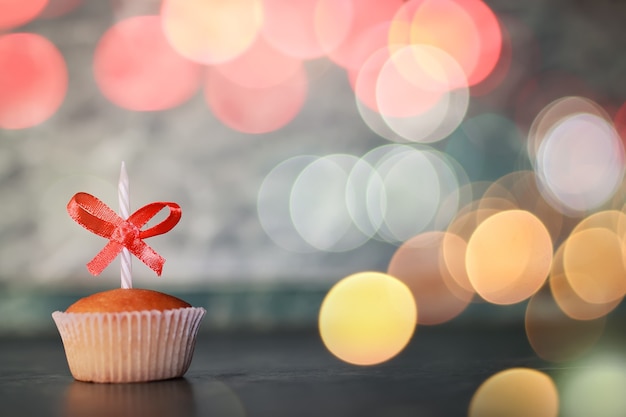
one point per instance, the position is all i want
(310, 140)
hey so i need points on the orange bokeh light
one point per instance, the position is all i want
(593, 262)
(520, 188)
(516, 392)
(460, 230)
(509, 256)
(570, 303)
(419, 263)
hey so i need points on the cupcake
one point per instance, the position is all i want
(127, 334)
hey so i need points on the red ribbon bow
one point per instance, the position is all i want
(98, 218)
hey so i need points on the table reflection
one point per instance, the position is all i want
(153, 399)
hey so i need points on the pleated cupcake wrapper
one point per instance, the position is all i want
(129, 346)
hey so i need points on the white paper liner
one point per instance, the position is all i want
(132, 346)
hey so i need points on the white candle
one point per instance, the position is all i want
(124, 202)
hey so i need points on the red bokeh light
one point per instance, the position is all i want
(260, 66)
(306, 29)
(360, 42)
(33, 80)
(14, 13)
(137, 69)
(255, 110)
(466, 29)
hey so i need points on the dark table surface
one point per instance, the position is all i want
(273, 374)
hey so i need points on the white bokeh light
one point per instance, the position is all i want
(580, 163)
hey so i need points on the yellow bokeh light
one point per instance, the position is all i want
(209, 31)
(367, 318)
(509, 256)
(516, 392)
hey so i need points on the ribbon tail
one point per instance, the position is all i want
(104, 257)
(148, 256)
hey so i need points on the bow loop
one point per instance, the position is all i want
(98, 218)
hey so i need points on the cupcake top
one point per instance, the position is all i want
(126, 299)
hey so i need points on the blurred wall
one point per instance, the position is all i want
(216, 173)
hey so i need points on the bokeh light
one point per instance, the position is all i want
(137, 69)
(553, 335)
(33, 80)
(554, 113)
(211, 31)
(419, 263)
(520, 188)
(273, 204)
(255, 110)
(467, 30)
(453, 251)
(407, 192)
(596, 388)
(319, 192)
(593, 258)
(570, 303)
(364, 36)
(411, 81)
(391, 194)
(516, 392)
(260, 66)
(19, 12)
(460, 91)
(306, 29)
(508, 256)
(367, 318)
(503, 70)
(461, 229)
(580, 140)
(417, 93)
(363, 80)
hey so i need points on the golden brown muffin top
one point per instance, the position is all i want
(126, 299)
